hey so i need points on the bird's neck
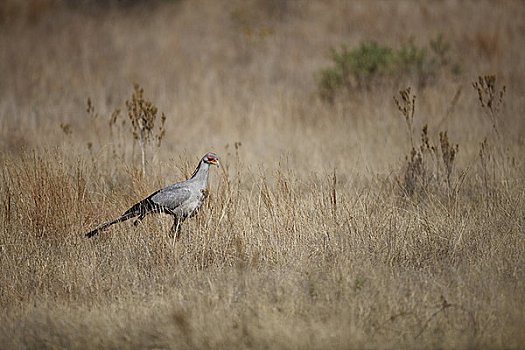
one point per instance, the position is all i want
(201, 173)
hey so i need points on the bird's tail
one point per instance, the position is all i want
(140, 209)
(123, 217)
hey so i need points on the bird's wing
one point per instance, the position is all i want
(171, 197)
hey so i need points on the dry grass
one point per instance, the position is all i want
(308, 239)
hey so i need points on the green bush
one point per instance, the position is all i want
(371, 63)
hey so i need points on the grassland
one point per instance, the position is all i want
(310, 239)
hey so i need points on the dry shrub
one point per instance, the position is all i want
(430, 165)
(142, 115)
(495, 158)
(144, 127)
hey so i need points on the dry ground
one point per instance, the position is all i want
(307, 240)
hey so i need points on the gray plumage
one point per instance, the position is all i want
(181, 200)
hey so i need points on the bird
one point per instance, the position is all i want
(180, 200)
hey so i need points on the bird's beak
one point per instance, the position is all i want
(215, 162)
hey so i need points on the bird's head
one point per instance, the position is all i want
(211, 158)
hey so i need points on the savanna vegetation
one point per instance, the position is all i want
(371, 194)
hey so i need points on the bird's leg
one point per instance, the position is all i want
(175, 229)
